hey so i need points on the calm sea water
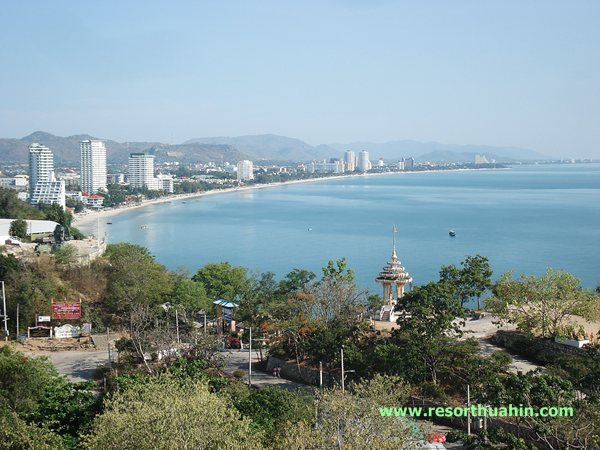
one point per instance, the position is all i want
(524, 220)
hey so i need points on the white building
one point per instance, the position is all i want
(35, 228)
(93, 166)
(245, 170)
(165, 183)
(141, 171)
(481, 159)
(116, 178)
(336, 166)
(41, 164)
(350, 161)
(18, 183)
(401, 165)
(49, 192)
(364, 164)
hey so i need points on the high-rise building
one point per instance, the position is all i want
(93, 166)
(245, 170)
(364, 164)
(141, 171)
(409, 163)
(49, 191)
(41, 165)
(481, 159)
(350, 161)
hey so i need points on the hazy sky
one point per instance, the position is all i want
(522, 73)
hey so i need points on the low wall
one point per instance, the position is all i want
(540, 350)
(307, 375)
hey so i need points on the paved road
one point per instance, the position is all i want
(76, 365)
(482, 329)
(238, 359)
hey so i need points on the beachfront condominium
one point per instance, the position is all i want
(245, 170)
(350, 161)
(49, 191)
(364, 164)
(41, 165)
(93, 166)
(141, 171)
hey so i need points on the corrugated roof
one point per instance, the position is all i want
(33, 226)
(225, 303)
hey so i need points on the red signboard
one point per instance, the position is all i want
(66, 310)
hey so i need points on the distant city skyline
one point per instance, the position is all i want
(500, 73)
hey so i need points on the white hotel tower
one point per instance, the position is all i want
(141, 170)
(41, 165)
(350, 161)
(245, 170)
(93, 166)
(364, 164)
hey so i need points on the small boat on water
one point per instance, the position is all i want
(108, 223)
(452, 233)
(144, 227)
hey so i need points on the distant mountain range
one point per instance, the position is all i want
(66, 150)
(259, 147)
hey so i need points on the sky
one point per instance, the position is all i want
(496, 72)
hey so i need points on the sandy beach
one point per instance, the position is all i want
(87, 219)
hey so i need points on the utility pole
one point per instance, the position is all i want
(320, 374)
(468, 410)
(4, 312)
(205, 322)
(250, 359)
(17, 335)
(177, 327)
(343, 374)
(108, 343)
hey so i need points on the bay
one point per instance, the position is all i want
(523, 219)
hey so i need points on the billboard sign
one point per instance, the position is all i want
(66, 310)
(43, 319)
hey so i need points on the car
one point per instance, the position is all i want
(12, 241)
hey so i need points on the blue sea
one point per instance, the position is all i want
(524, 219)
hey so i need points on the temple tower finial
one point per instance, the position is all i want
(394, 256)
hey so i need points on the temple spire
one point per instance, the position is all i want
(394, 256)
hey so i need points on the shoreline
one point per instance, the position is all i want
(83, 221)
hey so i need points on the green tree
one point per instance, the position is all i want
(270, 408)
(67, 409)
(17, 434)
(24, 380)
(8, 265)
(541, 304)
(430, 316)
(430, 311)
(336, 294)
(56, 213)
(66, 255)
(478, 275)
(472, 280)
(18, 228)
(222, 280)
(297, 280)
(134, 278)
(165, 413)
(13, 208)
(188, 294)
(351, 420)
